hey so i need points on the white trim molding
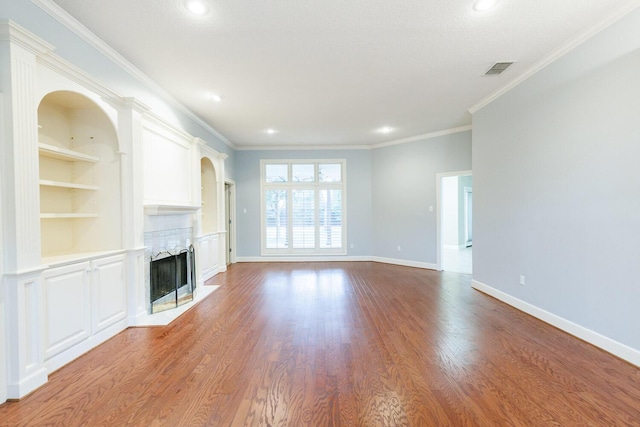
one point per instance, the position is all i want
(11, 31)
(335, 258)
(339, 258)
(616, 348)
(300, 147)
(424, 136)
(167, 209)
(429, 135)
(405, 263)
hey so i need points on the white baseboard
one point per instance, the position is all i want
(383, 260)
(318, 258)
(406, 263)
(208, 275)
(456, 246)
(59, 360)
(616, 348)
(28, 384)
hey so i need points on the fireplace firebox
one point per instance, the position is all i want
(172, 279)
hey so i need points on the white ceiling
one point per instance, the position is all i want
(333, 72)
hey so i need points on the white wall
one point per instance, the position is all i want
(557, 190)
(404, 187)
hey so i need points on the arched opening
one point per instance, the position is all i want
(79, 169)
(209, 196)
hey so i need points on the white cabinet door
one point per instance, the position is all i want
(67, 317)
(108, 291)
(208, 256)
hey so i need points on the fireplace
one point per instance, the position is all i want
(172, 279)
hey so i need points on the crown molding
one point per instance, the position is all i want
(355, 147)
(12, 32)
(94, 41)
(155, 122)
(423, 136)
(300, 147)
(73, 73)
(558, 53)
(209, 151)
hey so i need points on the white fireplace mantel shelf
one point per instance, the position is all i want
(169, 209)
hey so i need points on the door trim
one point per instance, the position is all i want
(439, 177)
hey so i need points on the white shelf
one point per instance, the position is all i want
(59, 184)
(67, 215)
(54, 152)
(169, 209)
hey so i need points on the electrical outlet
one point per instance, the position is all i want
(352, 246)
(399, 248)
(522, 280)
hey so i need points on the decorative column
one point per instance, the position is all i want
(130, 116)
(21, 281)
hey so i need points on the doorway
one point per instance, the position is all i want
(455, 221)
(229, 223)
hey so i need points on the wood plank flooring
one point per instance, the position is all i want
(339, 344)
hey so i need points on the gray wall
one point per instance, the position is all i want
(359, 217)
(73, 49)
(404, 186)
(557, 187)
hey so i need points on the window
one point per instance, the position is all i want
(303, 206)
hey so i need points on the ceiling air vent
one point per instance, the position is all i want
(498, 68)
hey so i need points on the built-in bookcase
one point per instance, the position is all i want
(209, 196)
(79, 166)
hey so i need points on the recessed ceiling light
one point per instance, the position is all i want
(482, 5)
(270, 131)
(216, 98)
(196, 7)
(385, 129)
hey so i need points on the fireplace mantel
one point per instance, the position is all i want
(169, 209)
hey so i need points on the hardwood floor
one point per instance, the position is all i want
(349, 344)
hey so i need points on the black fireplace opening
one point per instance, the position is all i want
(172, 279)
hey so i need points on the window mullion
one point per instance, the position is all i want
(289, 219)
(316, 199)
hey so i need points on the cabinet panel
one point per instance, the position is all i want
(67, 303)
(208, 256)
(109, 292)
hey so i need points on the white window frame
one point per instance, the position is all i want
(290, 186)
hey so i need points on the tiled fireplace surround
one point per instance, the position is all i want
(169, 233)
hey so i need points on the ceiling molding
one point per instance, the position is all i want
(558, 53)
(11, 31)
(301, 147)
(356, 147)
(94, 41)
(65, 68)
(423, 136)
